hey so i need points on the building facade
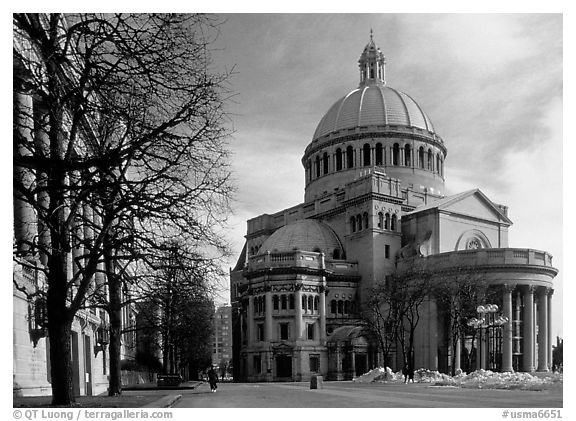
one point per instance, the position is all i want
(222, 339)
(374, 207)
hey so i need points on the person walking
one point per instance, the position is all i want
(212, 379)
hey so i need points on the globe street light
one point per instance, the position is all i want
(487, 319)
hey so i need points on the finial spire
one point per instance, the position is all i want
(372, 64)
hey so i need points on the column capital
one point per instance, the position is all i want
(529, 289)
(549, 291)
(509, 288)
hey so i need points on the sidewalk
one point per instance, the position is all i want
(146, 395)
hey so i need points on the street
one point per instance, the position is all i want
(363, 395)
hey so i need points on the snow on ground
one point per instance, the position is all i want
(479, 379)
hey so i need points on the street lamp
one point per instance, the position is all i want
(487, 319)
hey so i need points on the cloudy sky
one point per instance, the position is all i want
(492, 85)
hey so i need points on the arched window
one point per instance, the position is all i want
(438, 163)
(346, 308)
(336, 254)
(340, 307)
(379, 155)
(441, 167)
(304, 303)
(325, 162)
(338, 159)
(365, 220)
(393, 222)
(407, 156)
(359, 222)
(353, 223)
(380, 220)
(283, 302)
(263, 305)
(387, 221)
(317, 165)
(349, 157)
(429, 159)
(310, 303)
(316, 303)
(421, 157)
(352, 307)
(333, 307)
(395, 154)
(291, 301)
(275, 302)
(366, 154)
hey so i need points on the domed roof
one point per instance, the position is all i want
(373, 105)
(306, 235)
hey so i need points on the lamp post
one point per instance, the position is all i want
(487, 319)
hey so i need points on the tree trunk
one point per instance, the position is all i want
(59, 332)
(115, 312)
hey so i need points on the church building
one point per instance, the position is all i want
(374, 207)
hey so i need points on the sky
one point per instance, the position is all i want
(492, 84)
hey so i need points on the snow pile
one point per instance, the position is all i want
(378, 374)
(479, 379)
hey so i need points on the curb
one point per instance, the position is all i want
(165, 402)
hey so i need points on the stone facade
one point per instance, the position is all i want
(374, 207)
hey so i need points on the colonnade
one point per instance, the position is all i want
(527, 335)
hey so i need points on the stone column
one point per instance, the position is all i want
(268, 309)
(528, 357)
(549, 292)
(298, 312)
(23, 125)
(42, 144)
(457, 357)
(542, 330)
(507, 329)
(250, 321)
(322, 314)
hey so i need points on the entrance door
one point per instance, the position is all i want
(88, 365)
(284, 366)
(361, 364)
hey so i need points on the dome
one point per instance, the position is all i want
(306, 235)
(373, 105)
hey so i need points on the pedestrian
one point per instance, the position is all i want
(411, 374)
(405, 373)
(212, 379)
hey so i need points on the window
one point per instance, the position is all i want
(310, 303)
(346, 304)
(260, 332)
(284, 331)
(387, 251)
(291, 301)
(365, 219)
(407, 156)
(338, 159)
(421, 157)
(353, 223)
(275, 302)
(359, 222)
(366, 154)
(314, 363)
(393, 222)
(325, 163)
(333, 306)
(257, 364)
(316, 303)
(310, 331)
(284, 301)
(304, 303)
(380, 220)
(429, 159)
(379, 155)
(387, 222)
(395, 154)
(317, 163)
(349, 157)
(336, 254)
(340, 307)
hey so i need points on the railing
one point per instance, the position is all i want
(299, 258)
(481, 257)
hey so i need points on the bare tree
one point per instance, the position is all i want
(123, 149)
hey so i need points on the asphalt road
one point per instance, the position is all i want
(362, 395)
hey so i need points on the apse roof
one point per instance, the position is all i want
(305, 235)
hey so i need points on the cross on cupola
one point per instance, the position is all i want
(372, 64)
